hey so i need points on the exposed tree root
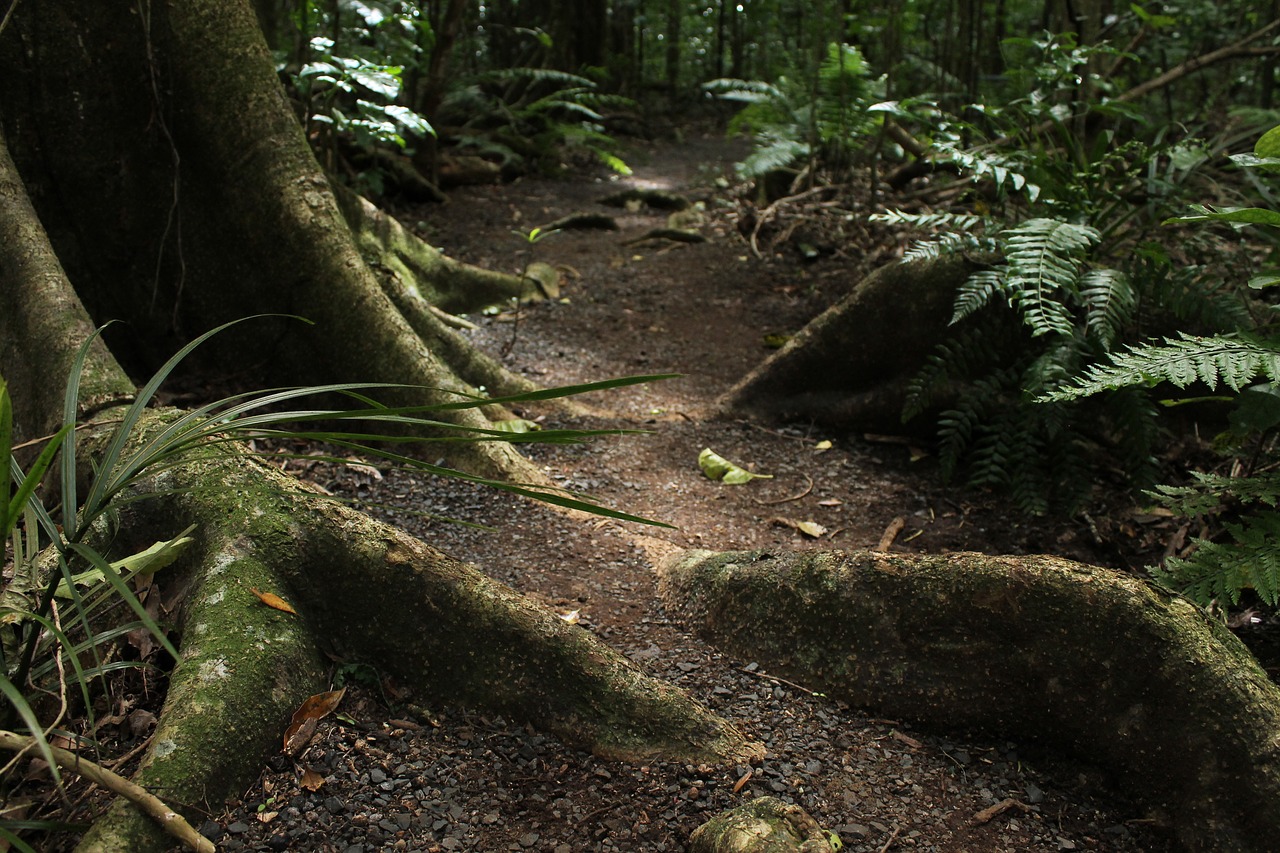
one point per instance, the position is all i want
(448, 284)
(368, 592)
(1082, 659)
(849, 366)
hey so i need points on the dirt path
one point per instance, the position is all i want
(458, 781)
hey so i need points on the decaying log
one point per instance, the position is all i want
(1085, 660)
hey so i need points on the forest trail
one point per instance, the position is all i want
(451, 780)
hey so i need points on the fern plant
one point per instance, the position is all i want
(1245, 555)
(1025, 323)
(529, 114)
(816, 122)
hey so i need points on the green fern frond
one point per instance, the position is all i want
(1195, 305)
(949, 243)
(749, 91)
(1001, 170)
(962, 429)
(976, 292)
(1044, 258)
(1134, 420)
(1222, 570)
(1052, 368)
(1234, 361)
(1209, 492)
(930, 221)
(1110, 301)
(776, 154)
(968, 354)
(565, 104)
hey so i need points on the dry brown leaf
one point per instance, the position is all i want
(808, 528)
(743, 780)
(831, 502)
(307, 717)
(272, 600)
(311, 780)
(573, 617)
(267, 817)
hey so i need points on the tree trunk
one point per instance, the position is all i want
(200, 202)
(443, 629)
(1082, 659)
(849, 367)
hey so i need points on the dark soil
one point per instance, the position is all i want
(400, 777)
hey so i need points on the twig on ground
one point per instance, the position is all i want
(796, 497)
(999, 808)
(452, 320)
(768, 677)
(172, 822)
(884, 848)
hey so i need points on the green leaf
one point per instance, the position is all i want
(1246, 215)
(1268, 145)
(716, 467)
(147, 562)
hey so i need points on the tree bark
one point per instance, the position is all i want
(1097, 663)
(849, 367)
(199, 202)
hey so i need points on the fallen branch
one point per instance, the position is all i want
(172, 822)
(807, 489)
(1182, 69)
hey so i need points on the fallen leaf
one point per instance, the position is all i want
(742, 780)
(267, 817)
(891, 533)
(831, 502)
(572, 617)
(808, 528)
(823, 445)
(775, 340)
(307, 717)
(716, 467)
(272, 600)
(311, 780)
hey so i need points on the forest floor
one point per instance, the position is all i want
(449, 779)
(461, 781)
